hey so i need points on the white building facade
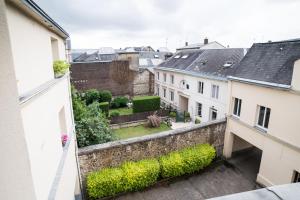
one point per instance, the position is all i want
(35, 107)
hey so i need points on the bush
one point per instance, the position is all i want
(91, 96)
(114, 114)
(105, 96)
(131, 176)
(107, 182)
(197, 121)
(104, 106)
(60, 67)
(186, 161)
(139, 175)
(79, 107)
(172, 114)
(119, 102)
(93, 127)
(145, 103)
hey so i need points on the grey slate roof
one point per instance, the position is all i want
(209, 62)
(270, 62)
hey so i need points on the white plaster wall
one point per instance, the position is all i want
(32, 52)
(192, 93)
(296, 76)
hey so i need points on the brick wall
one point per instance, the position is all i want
(96, 157)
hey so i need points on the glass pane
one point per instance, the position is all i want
(261, 115)
(239, 109)
(235, 106)
(214, 115)
(268, 112)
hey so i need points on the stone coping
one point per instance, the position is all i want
(108, 145)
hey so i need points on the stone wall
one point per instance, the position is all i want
(110, 154)
(141, 83)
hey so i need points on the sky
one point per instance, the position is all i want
(171, 23)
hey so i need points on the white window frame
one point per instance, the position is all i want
(165, 77)
(171, 95)
(200, 87)
(211, 110)
(164, 92)
(264, 119)
(215, 91)
(157, 75)
(201, 105)
(172, 78)
(296, 177)
(239, 104)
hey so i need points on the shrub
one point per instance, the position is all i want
(153, 121)
(197, 121)
(145, 103)
(172, 114)
(187, 115)
(91, 96)
(79, 107)
(104, 106)
(107, 182)
(139, 175)
(114, 114)
(119, 102)
(93, 127)
(105, 96)
(60, 67)
(186, 161)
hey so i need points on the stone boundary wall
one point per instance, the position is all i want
(112, 154)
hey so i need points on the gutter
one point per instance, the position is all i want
(35, 8)
(260, 83)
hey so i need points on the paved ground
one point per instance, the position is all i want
(217, 181)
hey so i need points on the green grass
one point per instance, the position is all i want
(122, 111)
(140, 130)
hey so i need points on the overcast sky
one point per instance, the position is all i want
(121, 23)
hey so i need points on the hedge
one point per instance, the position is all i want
(145, 103)
(133, 176)
(104, 106)
(130, 176)
(186, 161)
(119, 102)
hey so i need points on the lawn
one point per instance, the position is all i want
(122, 111)
(137, 131)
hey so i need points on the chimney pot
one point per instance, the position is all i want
(205, 41)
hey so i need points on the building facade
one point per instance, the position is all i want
(35, 107)
(264, 96)
(195, 81)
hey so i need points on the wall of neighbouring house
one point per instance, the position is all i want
(280, 143)
(110, 154)
(32, 50)
(192, 93)
(143, 82)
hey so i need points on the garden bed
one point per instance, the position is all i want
(140, 130)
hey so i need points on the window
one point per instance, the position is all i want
(177, 56)
(200, 87)
(213, 114)
(199, 109)
(165, 77)
(296, 178)
(215, 91)
(172, 79)
(237, 107)
(185, 56)
(263, 117)
(157, 90)
(171, 95)
(157, 75)
(187, 86)
(54, 48)
(165, 92)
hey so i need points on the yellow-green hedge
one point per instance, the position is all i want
(133, 176)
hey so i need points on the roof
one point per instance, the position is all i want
(287, 191)
(201, 46)
(35, 11)
(271, 62)
(208, 62)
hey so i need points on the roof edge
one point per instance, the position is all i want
(260, 83)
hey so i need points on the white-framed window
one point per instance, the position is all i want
(213, 114)
(165, 92)
(172, 95)
(263, 117)
(165, 77)
(296, 177)
(157, 75)
(237, 107)
(157, 90)
(215, 91)
(172, 79)
(199, 109)
(200, 87)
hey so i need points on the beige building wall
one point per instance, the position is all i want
(280, 144)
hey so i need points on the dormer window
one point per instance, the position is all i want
(185, 56)
(177, 56)
(228, 64)
(156, 56)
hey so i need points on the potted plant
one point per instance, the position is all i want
(60, 67)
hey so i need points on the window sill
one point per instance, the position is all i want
(261, 129)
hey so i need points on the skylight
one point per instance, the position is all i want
(228, 64)
(177, 56)
(185, 56)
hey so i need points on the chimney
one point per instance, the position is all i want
(205, 41)
(186, 43)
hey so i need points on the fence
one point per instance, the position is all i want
(137, 116)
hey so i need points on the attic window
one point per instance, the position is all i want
(228, 64)
(156, 56)
(185, 56)
(177, 56)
